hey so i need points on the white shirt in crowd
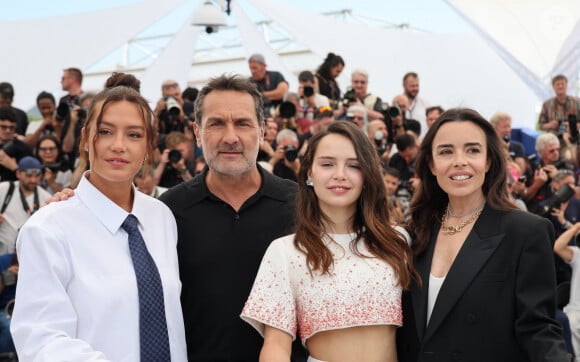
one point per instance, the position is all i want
(76, 298)
(15, 215)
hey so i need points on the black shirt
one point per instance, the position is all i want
(281, 170)
(17, 150)
(219, 253)
(398, 162)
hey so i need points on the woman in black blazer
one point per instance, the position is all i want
(488, 287)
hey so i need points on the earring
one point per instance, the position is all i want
(309, 182)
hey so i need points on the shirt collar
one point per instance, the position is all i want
(106, 211)
(271, 186)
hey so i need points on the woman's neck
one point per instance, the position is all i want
(462, 207)
(120, 194)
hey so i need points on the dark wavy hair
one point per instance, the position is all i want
(331, 61)
(429, 199)
(371, 219)
(64, 166)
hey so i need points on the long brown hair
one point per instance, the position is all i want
(430, 199)
(371, 219)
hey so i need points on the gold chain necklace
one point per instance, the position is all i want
(450, 230)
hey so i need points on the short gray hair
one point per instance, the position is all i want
(286, 134)
(546, 139)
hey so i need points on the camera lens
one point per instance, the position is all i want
(290, 153)
(174, 156)
(308, 91)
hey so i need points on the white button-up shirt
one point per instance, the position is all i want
(76, 298)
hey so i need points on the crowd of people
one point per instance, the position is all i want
(372, 230)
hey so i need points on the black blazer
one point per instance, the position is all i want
(498, 301)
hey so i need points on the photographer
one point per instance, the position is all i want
(176, 165)
(548, 148)
(310, 99)
(563, 210)
(49, 124)
(287, 114)
(555, 111)
(11, 149)
(285, 161)
(378, 135)
(359, 94)
(169, 109)
(404, 159)
(56, 173)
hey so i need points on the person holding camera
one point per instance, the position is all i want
(56, 173)
(285, 161)
(20, 199)
(566, 247)
(548, 148)
(169, 108)
(326, 76)
(6, 99)
(555, 111)
(271, 84)
(502, 123)
(358, 94)
(378, 134)
(175, 165)
(310, 99)
(563, 210)
(404, 159)
(49, 124)
(11, 148)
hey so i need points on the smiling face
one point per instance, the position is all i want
(48, 151)
(117, 146)
(229, 133)
(460, 160)
(336, 175)
(359, 83)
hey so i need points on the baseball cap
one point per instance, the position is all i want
(29, 162)
(258, 58)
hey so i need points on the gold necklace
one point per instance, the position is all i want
(450, 230)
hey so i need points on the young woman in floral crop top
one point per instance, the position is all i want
(338, 280)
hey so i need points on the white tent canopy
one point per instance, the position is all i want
(454, 69)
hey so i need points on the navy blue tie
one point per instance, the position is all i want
(154, 340)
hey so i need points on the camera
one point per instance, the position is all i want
(174, 156)
(394, 110)
(54, 167)
(308, 91)
(10, 148)
(172, 106)
(82, 115)
(8, 278)
(506, 138)
(564, 193)
(348, 98)
(380, 143)
(287, 110)
(290, 153)
(63, 111)
(573, 128)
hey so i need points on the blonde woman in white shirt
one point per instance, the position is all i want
(79, 293)
(338, 280)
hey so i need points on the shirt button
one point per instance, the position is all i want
(236, 216)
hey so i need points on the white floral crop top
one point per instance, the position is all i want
(358, 292)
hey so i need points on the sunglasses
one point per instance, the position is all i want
(32, 172)
(47, 149)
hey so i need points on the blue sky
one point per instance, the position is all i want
(428, 15)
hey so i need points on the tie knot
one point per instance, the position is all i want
(130, 224)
